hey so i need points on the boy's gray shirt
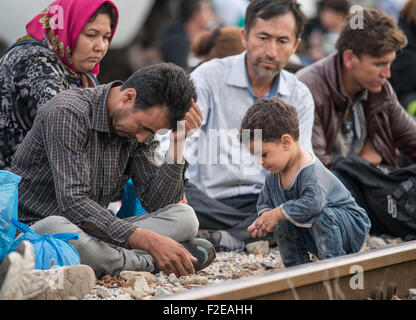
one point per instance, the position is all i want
(313, 190)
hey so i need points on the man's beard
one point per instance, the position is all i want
(117, 116)
(263, 73)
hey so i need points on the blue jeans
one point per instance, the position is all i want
(328, 237)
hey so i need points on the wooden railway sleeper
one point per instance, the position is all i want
(378, 293)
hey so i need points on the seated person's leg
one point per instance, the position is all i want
(211, 213)
(239, 231)
(215, 219)
(100, 256)
(243, 203)
(224, 222)
(176, 221)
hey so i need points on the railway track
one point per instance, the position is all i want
(380, 274)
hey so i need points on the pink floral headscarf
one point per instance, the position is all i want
(59, 27)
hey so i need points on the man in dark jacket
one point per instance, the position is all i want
(356, 109)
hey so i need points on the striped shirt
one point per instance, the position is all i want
(71, 166)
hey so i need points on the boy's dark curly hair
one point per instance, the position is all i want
(274, 117)
(163, 84)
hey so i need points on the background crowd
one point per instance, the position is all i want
(185, 32)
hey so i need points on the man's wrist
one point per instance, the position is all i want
(140, 239)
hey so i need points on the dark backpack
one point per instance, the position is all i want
(388, 194)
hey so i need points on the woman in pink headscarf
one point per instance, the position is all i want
(62, 49)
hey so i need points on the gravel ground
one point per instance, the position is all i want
(227, 266)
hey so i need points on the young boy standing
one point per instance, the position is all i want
(305, 205)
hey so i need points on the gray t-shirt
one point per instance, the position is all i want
(314, 190)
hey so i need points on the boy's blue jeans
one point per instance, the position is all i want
(333, 233)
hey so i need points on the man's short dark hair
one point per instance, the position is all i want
(341, 6)
(187, 9)
(274, 117)
(267, 9)
(378, 36)
(163, 84)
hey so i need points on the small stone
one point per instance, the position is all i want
(137, 283)
(127, 291)
(412, 294)
(172, 278)
(220, 276)
(138, 295)
(394, 241)
(200, 281)
(102, 293)
(178, 290)
(162, 292)
(245, 274)
(268, 265)
(197, 280)
(185, 280)
(150, 292)
(376, 243)
(258, 248)
(127, 275)
(140, 284)
(148, 276)
(130, 283)
(253, 268)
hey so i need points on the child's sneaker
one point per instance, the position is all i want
(201, 249)
(16, 272)
(61, 283)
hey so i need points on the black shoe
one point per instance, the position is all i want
(213, 236)
(201, 249)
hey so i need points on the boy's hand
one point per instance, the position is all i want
(254, 229)
(265, 224)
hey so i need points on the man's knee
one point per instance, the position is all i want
(54, 224)
(189, 221)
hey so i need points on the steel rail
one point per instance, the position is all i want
(350, 277)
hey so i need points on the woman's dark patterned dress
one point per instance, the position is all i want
(30, 75)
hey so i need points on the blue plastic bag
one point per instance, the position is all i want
(50, 250)
(8, 209)
(131, 206)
